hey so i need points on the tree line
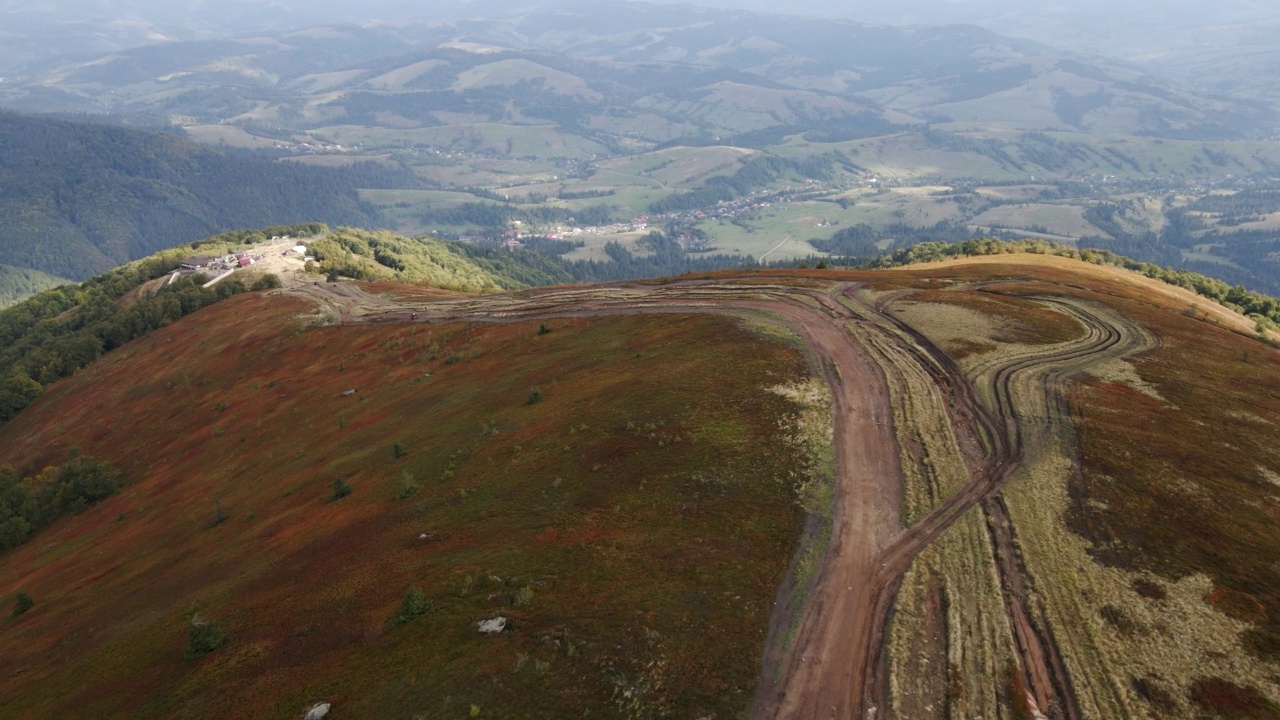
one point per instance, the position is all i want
(59, 331)
(1263, 309)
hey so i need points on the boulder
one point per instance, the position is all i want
(319, 711)
(492, 627)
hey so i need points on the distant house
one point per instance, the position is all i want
(300, 249)
(245, 261)
(196, 262)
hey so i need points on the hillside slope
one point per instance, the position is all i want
(81, 198)
(57, 332)
(720, 71)
(17, 284)
(992, 475)
(638, 513)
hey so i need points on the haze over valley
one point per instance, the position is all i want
(640, 360)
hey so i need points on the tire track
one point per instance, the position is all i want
(835, 668)
(1107, 336)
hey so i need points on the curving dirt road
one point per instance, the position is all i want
(834, 667)
(1002, 424)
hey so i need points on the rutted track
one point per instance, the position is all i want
(834, 667)
(1002, 424)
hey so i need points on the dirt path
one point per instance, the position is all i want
(834, 667)
(774, 249)
(1003, 426)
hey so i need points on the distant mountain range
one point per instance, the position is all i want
(571, 116)
(630, 60)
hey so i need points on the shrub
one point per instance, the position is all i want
(340, 489)
(543, 329)
(1224, 697)
(398, 450)
(22, 603)
(407, 487)
(535, 395)
(219, 515)
(203, 637)
(266, 282)
(415, 605)
(28, 504)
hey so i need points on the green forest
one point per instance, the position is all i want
(28, 504)
(380, 255)
(19, 283)
(79, 198)
(51, 335)
(375, 255)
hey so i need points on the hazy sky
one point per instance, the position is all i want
(226, 12)
(1122, 28)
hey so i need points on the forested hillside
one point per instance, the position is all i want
(77, 199)
(18, 283)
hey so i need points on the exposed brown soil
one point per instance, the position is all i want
(1003, 424)
(834, 667)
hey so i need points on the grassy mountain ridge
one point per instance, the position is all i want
(113, 309)
(623, 491)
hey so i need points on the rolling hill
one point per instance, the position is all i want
(739, 135)
(631, 59)
(675, 493)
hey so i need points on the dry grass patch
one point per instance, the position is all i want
(811, 432)
(1124, 373)
(948, 641)
(956, 329)
(1117, 626)
(1150, 542)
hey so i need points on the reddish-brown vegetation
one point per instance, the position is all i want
(631, 525)
(1225, 699)
(1174, 484)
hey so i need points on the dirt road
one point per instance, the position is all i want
(834, 666)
